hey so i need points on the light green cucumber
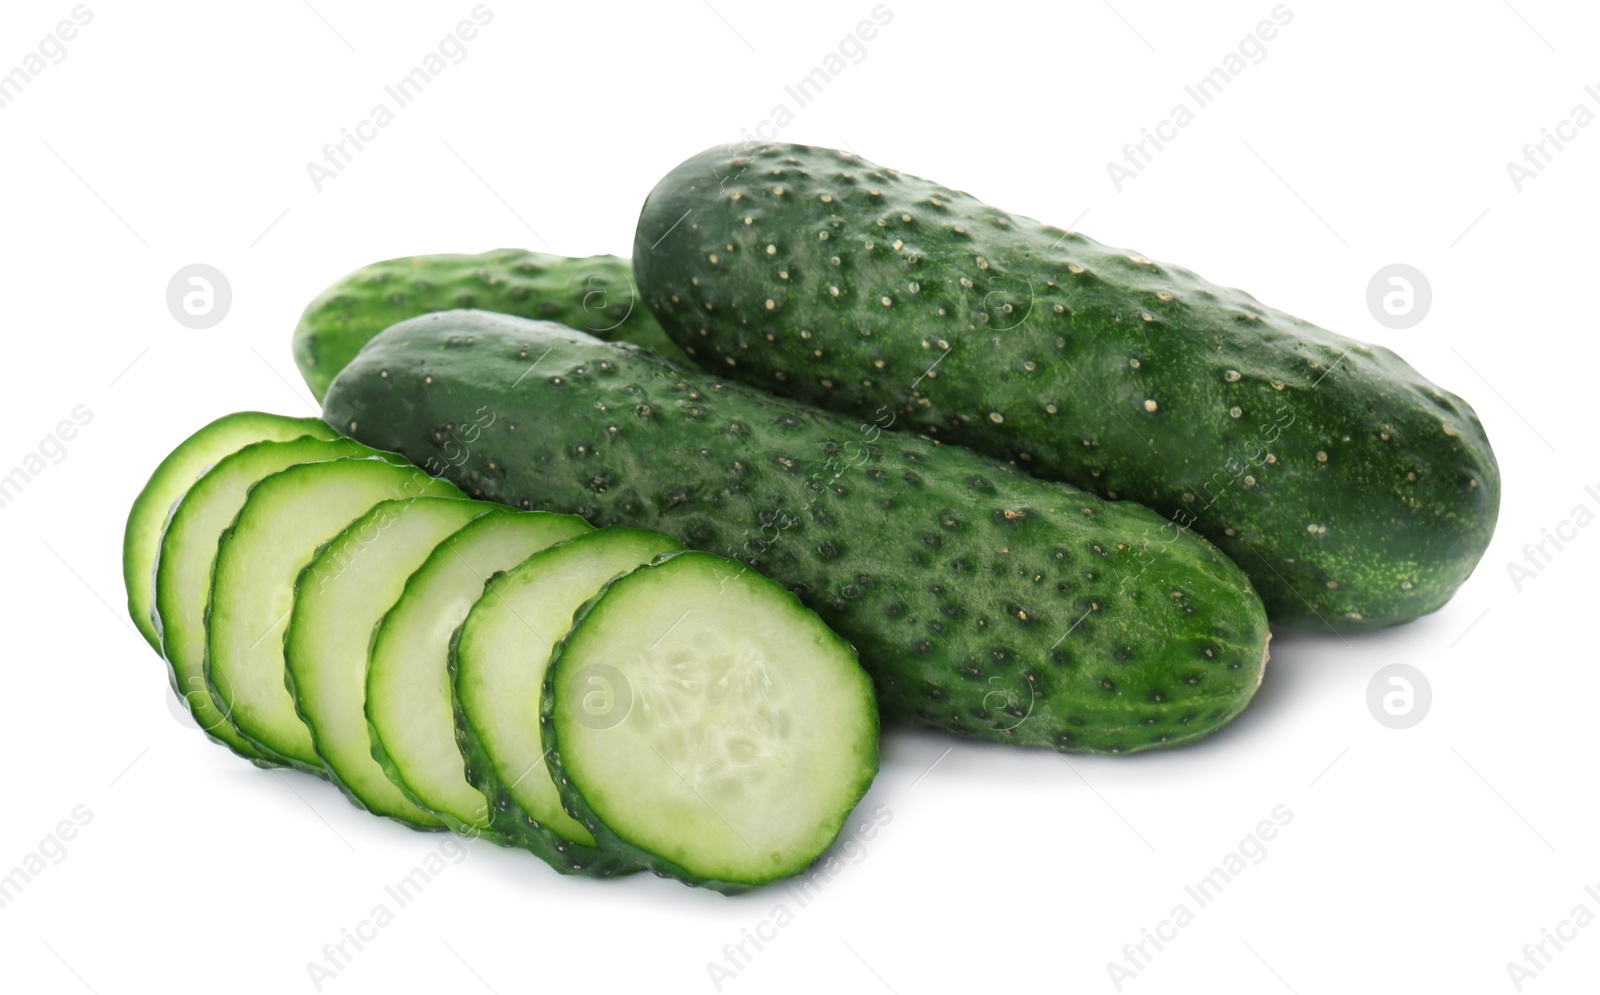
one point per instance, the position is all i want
(141, 536)
(285, 521)
(702, 720)
(340, 597)
(409, 700)
(500, 655)
(188, 553)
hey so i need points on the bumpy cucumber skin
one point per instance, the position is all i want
(1354, 492)
(510, 824)
(594, 293)
(982, 601)
(578, 807)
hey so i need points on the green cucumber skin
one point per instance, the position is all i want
(820, 276)
(982, 601)
(510, 824)
(576, 806)
(594, 293)
(380, 752)
(141, 536)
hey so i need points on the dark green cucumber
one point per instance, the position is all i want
(701, 720)
(982, 601)
(594, 293)
(1352, 490)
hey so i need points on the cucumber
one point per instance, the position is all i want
(983, 601)
(340, 597)
(500, 656)
(141, 537)
(594, 293)
(188, 552)
(704, 722)
(1353, 491)
(286, 519)
(409, 701)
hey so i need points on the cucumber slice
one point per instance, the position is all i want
(187, 553)
(284, 522)
(500, 655)
(339, 600)
(142, 535)
(703, 721)
(409, 704)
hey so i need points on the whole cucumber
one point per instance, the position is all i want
(1354, 492)
(982, 601)
(593, 293)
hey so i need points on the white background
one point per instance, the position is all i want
(1372, 133)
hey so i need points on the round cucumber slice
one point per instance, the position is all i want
(187, 553)
(703, 721)
(410, 708)
(141, 537)
(284, 522)
(339, 600)
(500, 657)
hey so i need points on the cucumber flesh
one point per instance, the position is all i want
(340, 598)
(284, 522)
(703, 721)
(188, 552)
(410, 709)
(142, 535)
(500, 656)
